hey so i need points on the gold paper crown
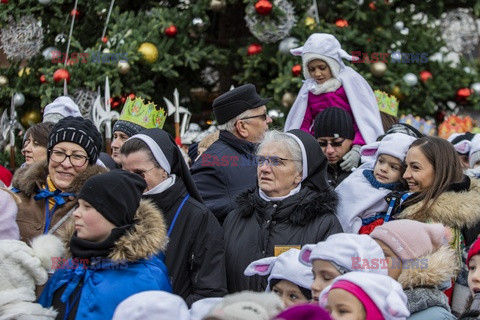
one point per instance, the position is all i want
(145, 115)
(386, 103)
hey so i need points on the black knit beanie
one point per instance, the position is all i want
(129, 128)
(334, 122)
(115, 194)
(77, 130)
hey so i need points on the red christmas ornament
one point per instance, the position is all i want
(61, 74)
(43, 79)
(425, 75)
(171, 31)
(254, 48)
(341, 23)
(263, 7)
(105, 39)
(123, 98)
(75, 13)
(462, 94)
(131, 96)
(4, 1)
(297, 70)
(372, 7)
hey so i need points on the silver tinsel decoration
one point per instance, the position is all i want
(269, 28)
(459, 30)
(22, 39)
(209, 76)
(85, 98)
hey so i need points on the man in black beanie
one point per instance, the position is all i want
(228, 166)
(334, 132)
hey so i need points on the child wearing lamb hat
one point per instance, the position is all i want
(288, 278)
(362, 194)
(365, 296)
(330, 83)
(420, 258)
(22, 268)
(339, 254)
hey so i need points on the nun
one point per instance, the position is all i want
(292, 205)
(195, 256)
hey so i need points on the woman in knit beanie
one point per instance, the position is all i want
(115, 249)
(420, 258)
(47, 189)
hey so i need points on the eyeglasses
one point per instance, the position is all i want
(141, 173)
(263, 116)
(334, 144)
(76, 160)
(272, 161)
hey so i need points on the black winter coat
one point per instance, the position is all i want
(195, 255)
(223, 171)
(254, 229)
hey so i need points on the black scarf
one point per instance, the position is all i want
(85, 249)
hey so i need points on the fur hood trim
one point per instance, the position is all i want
(303, 207)
(147, 237)
(454, 209)
(29, 179)
(433, 269)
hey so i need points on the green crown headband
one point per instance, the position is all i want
(386, 103)
(145, 115)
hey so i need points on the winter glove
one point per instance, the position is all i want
(351, 159)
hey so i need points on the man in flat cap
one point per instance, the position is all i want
(228, 166)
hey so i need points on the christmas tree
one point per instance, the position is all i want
(423, 52)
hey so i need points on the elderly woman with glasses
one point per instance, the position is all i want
(292, 205)
(48, 189)
(195, 256)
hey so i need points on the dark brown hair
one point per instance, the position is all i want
(39, 132)
(446, 165)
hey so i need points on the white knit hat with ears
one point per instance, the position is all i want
(325, 45)
(462, 142)
(152, 304)
(394, 144)
(284, 267)
(474, 155)
(353, 252)
(386, 293)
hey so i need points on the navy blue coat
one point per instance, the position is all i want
(223, 171)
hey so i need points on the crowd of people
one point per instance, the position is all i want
(341, 214)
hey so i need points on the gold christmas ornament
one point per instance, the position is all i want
(288, 99)
(123, 67)
(31, 117)
(149, 52)
(310, 23)
(3, 81)
(24, 70)
(378, 69)
(398, 93)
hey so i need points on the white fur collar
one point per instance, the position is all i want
(330, 85)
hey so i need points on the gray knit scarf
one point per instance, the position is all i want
(423, 298)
